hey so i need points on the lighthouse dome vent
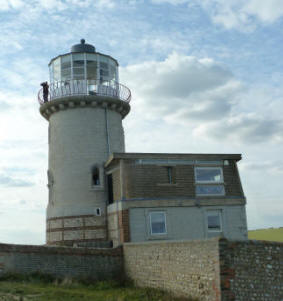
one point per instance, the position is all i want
(83, 47)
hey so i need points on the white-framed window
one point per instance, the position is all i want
(214, 220)
(209, 174)
(157, 221)
(209, 181)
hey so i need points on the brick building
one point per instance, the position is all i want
(174, 196)
(99, 195)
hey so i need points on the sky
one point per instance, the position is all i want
(205, 76)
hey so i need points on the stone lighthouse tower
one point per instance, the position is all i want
(85, 105)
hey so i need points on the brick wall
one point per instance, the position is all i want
(251, 270)
(188, 268)
(151, 181)
(61, 261)
(118, 227)
(116, 184)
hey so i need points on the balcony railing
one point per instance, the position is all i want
(85, 87)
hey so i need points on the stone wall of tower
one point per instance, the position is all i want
(80, 138)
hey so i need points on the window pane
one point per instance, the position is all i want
(91, 73)
(112, 75)
(103, 65)
(214, 220)
(66, 74)
(157, 220)
(91, 69)
(208, 175)
(56, 69)
(66, 61)
(210, 190)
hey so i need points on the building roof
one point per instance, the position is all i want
(169, 156)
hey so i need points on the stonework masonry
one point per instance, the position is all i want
(251, 270)
(182, 268)
(61, 261)
(210, 270)
(69, 229)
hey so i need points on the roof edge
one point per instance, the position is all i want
(193, 156)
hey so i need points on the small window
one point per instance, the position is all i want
(170, 174)
(95, 176)
(214, 223)
(157, 223)
(97, 211)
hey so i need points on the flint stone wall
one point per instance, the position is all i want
(184, 268)
(61, 261)
(251, 270)
(209, 270)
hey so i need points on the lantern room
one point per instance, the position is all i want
(83, 63)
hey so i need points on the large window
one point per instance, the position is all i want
(209, 181)
(157, 223)
(214, 220)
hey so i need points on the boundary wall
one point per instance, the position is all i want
(184, 268)
(209, 270)
(97, 264)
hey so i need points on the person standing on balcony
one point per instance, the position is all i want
(45, 91)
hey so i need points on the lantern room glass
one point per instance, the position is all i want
(84, 66)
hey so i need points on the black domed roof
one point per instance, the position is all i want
(83, 47)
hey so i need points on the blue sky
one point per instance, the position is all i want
(206, 77)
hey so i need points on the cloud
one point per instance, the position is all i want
(240, 14)
(182, 85)
(273, 167)
(6, 181)
(245, 128)
(203, 95)
(10, 4)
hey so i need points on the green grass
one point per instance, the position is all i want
(271, 234)
(37, 288)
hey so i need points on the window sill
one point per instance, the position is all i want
(210, 183)
(210, 195)
(158, 237)
(97, 188)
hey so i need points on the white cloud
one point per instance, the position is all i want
(241, 14)
(204, 96)
(10, 4)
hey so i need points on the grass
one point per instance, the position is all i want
(44, 288)
(271, 234)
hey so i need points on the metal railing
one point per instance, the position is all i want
(85, 87)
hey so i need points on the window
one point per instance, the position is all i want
(97, 211)
(209, 174)
(110, 189)
(214, 222)
(170, 174)
(209, 181)
(95, 176)
(157, 223)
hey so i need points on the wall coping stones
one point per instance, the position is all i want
(14, 248)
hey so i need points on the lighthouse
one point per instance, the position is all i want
(84, 105)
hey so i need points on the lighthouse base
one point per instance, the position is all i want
(81, 230)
